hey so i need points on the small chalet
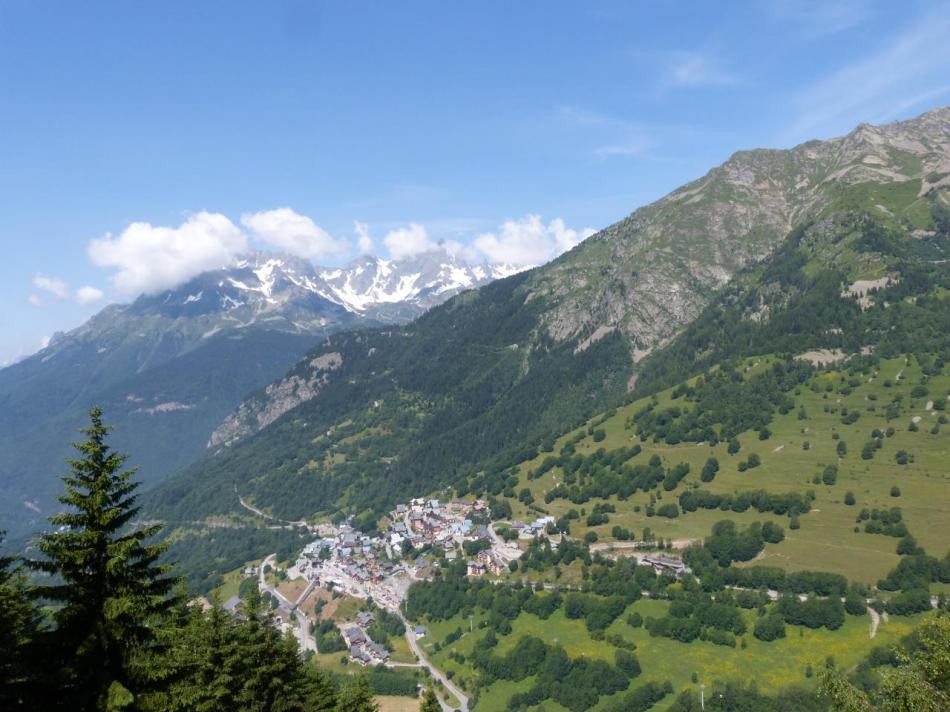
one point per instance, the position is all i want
(476, 568)
(359, 655)
(355, 636)
(377, 651)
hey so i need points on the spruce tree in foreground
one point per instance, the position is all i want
(105, 580)
(430, 703)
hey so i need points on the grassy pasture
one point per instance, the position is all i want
(826, 540)
(773, 665)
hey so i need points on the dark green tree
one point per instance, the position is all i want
(430, 703)
(104, 579)
(211, 660)
(357, 696)
(271, 675)
(919, 683)
(18, 631)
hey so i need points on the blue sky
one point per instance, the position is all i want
(421, 121)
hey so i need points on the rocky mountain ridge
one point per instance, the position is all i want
(652, 272)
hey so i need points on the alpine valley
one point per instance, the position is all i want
(363, 417)
(743, 385)
(699, 460)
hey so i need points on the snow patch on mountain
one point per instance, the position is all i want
(268, 287)
(423, 280)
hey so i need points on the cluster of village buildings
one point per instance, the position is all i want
(532, 529)
(362, 648)
(428, 521)
(353, 560)
(366, 566)
(372, 567)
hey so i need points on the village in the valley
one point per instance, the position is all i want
(380, 568)
(376, 571)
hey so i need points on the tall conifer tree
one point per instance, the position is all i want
(105, 578)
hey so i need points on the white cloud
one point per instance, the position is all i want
(88, 295)
(152, 258)
(408, 241)
(44, 342)
(905, 72)
(56, 287)
(528, 241)
(365, 242)
(292, 232)
(696, 69)
(59, 289)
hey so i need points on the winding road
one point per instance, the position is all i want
(436, 673)
(265, 515)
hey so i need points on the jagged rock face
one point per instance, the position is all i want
(371, 288)
(653, 272)
(277, 399)
(259, 286)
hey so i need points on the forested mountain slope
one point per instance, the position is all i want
(170, 366)
(167, 367)
(482, 381)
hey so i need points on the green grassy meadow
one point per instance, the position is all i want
(773, 665)
(826, 540)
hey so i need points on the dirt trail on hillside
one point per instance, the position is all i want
(875, 622)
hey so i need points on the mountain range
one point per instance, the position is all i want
(170, 366)
(396, 291)
(481, 382)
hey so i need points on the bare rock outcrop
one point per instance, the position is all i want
(276, 399)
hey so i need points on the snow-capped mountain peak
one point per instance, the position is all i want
(262, 286)
(372, 285)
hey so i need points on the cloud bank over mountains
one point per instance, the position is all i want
(293, 233)
(522, 242)
(151, 258)
(148, 258)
